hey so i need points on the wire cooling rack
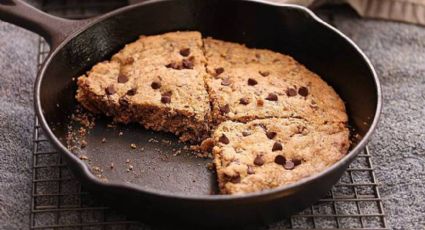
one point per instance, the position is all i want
(60, 202)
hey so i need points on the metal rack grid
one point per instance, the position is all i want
(60, 202)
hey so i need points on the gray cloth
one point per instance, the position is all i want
(412, 11)
(396, 50)
(18, 59)
(398, 53)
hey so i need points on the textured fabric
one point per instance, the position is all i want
(18, 63)
(397, 52)
(412, 11)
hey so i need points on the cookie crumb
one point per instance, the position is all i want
(111, 126)
(96, 169)
(210, 166)
(83, 143)
(177, 152)
(152, 140)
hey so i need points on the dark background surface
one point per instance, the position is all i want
(396, 50)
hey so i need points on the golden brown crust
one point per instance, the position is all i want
(156, 81)
(257, 155)
(263, 105)
(254, 83)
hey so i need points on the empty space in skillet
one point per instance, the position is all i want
(288, 30)
(132, 154)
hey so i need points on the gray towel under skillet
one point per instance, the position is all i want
(397, 51)
(18, 59)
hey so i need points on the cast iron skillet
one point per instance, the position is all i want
(178, 188)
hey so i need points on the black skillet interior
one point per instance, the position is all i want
(288, 30)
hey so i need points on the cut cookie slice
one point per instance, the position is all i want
(267, 153)
(246, 84)
(157, 81)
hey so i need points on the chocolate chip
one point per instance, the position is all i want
(264, 73)
(272, 97)
(252, 82)
(263, 126)
(303, 91)
(245, 133)
(260, 102)
(296, 162)
(235, 179)
(225, 82)
(291, 92)
(277, 146)
(132, 92)
(219, 70)
(250, 170)
(259, 160)
(185, 52)
(122, 78)
(128, 61)
(300, 129)
(168, 93)
(187, 63)
(110, 90)
(123, 102)
(156, 85)
(289, 165)
(280, 160)
(166, 99)
(223, 139)
(174, 65)
(225, 109)
(244, 101)
(271, 135)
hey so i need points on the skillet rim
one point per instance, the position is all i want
(261, 195)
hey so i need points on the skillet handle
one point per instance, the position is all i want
(53, 29)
